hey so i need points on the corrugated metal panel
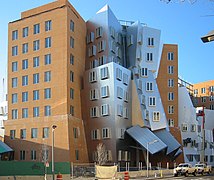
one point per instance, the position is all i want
(168, 139)
(144, 136)
(4, 148)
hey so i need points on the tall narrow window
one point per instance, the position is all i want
(71, 25)
(170, 56)
(150, 41)
(47, 110)
(14, 50)
(47, 77)
(25, 32)
(23, 133)
(152, 101)
(12, 134)
(48, 25)
(25, 80)
(36, 95)
(14, 113)
(104, 73)
(45, 133)
(71, 42)
(33, 155)
(156, 116)
(14, 82)
(36, 45)
(24, 48)
(36, 78)
(25, 64)
(47, 59)
(22, 155)
(71, 93)
(14, 98)
(144, 72)
(34, 132)
(48, 42)
(15, 35)
(14, 66)
(36, 28)
(36, 62)
(170, 69)
(71, 76)
(149, 57)
(35, 111)
(47, 93)
(24, 96)
(149, 86)
(24, 112)
(170, 96)
(99, 32)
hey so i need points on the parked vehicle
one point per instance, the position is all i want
(185, 169)
(203, 168)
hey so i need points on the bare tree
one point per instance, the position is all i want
(101, 154)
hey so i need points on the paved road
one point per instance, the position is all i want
(198, 177)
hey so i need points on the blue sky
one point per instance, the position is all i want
(180, 23)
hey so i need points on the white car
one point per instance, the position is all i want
(185, 169)
(203, 168)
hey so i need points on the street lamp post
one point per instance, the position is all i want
(53, 128)
(208, 37)
(147, 156)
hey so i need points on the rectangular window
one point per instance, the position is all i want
(193, 127)
(149, 86)
(72, 59)
(212, 98)
(144, 72)
(184, 127)
(101, 46)
(15, 35)
(211, 107)
(102, 60)
(72, 110)
(12, 134)
(105, 110)
(119, 110)
(14, 113)
(93, 76)
(203, 90)
(36, 62)
(25, 32)
(48, 42)
(77, 154)
(171, 109)
(143, 99)
(35, 111)
(171, 122)
(24, 112)
(170, 96)
(71, 42)
(25, 64)
(24, 48)
(94, 112)
(71, 76)
(170, 69)
(90, 37)
(76, 132)
(36, 78)
(119, 74)
(72, 25)
(104, 91)
(104, 73)
(14, 82)
(170, 56)
(119, 92)
(47, 59)
(36, 95)
(14, 50)
(14, 98)
(47, 76)
(22, 155)
(94, 63)
(203, 99)
(99, 32)
(36, 45)
(47, 110)
(45, 132)
(24, 96)
(33, 155)
(47, 93)
(113, 46)
(211, 88)
(92, 51)
(130, 40)
(48, 25)
(95, 134)
(14, 66)
(149, 57)
(106, 133)
(195, 91)
(93, 94)
(112, 32)
(23, 134)
(71, 93)
(152, 101)
(125, 113)
(156, 116)
(36, 29)
(125, 79)
(171, 83)
(34, 132)
(25, 80)
(150, 41)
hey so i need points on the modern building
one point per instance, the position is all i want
(98, 82)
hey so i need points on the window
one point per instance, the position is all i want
(72, 59)
(126, 96)
(108, 155)
(152, 101)
(112, 32)
(119, 74)
(106, 133)
(24, 48)
(25, 64)
(193, 128)
(130, 40)
(125, 79)
(101, 46)
(203, 99)
(125, 113)
(15, 35)
(190, 157)
(171, 109)
(140, 84)
(102, 60)
(211, 107)
(211, 158)
(14, 66)
(171, 83)
(113, 46)
(47, 59)
(34, 132)
(90, 37)
(105, 110)
(36, 29)
(14, 113)
(72, 25)
(76, 132)
(99, 32)
(119, 52)
(199, 128)
(203, 90)
(23, 134)
(36, 62)
(170, 56)
(170, 96)
(104, 73)
(171, 69)
(14, 82)
(71, 76)
(184, 127)
(149, 57)
(94, 63)
(119, 38)
(48, 25)
(33, 155)
(92, 51)
(171, 122)
(195, 91)
(71, 42)
(211, 88)
(25, 32)
(95, 134)
(25, 80)
(93, 76)
(24, 112)
(22, 155)
(36, 45)
(149, 86)
(35, 111)
(48, 42)
(94, 112)
(143, 99)
(36, 78)
(12, 134)
(104, 91)
(212, 98)
(45, 132)
(156, 116)
(144, 72)
(47, 93)
(47, 110)
(77, 154)
(119, 92)
(150, 41)
(47, 76)
(14, 98)
(94, 94)
(119, 110)
(72, 110)
(36, 95)
(24, 96)
(14, 50)
(71, 93)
